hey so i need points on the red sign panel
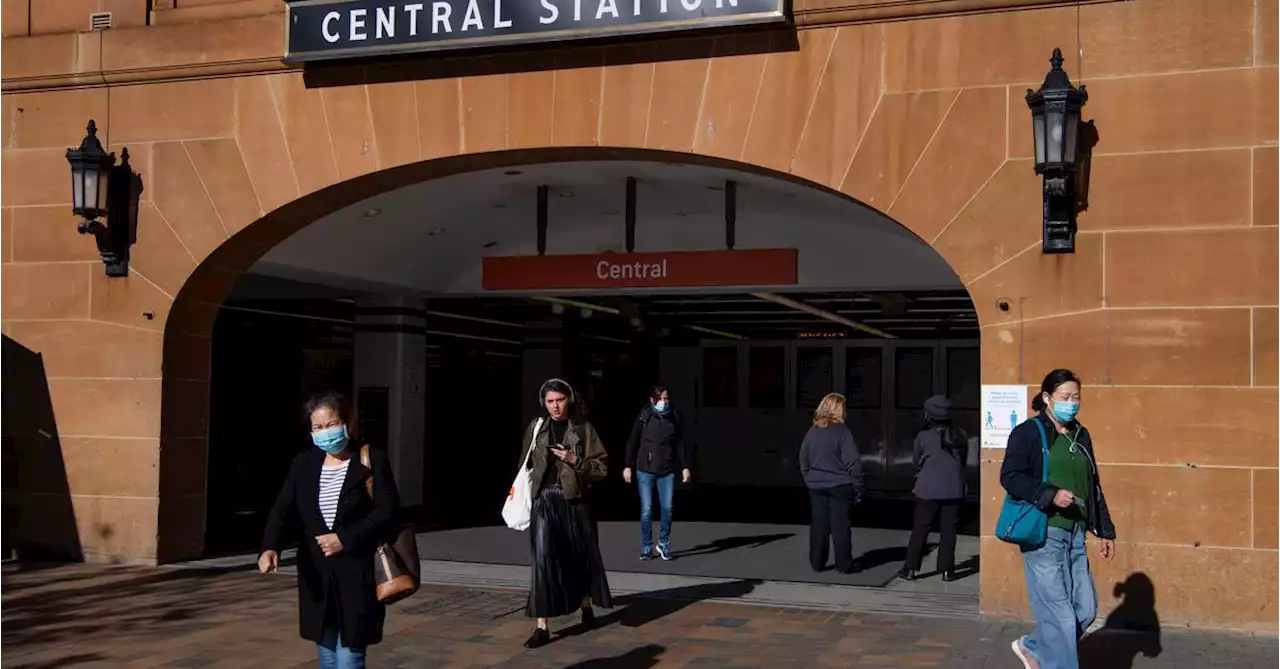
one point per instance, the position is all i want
(674, 269)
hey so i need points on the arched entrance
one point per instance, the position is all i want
(888, 321)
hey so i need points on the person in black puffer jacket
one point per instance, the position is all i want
(656, 449)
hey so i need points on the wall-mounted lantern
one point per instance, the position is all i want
(101, 188)
(1055, 123)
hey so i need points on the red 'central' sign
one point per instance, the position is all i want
(673, 269)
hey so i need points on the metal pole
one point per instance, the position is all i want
(631, 214)
(730, 213)
(542, 220)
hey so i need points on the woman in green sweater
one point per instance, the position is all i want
(1059, 583)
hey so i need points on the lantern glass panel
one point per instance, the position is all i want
(91, 189)
(77, 186)
(1073, 134)
(1054, 123)
(104, 171)
(1037, 129)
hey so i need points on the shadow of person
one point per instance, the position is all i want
(636, 658)
(964, 569)
(730, 543)
(881, 556)
(1132, 628)
(642, 608)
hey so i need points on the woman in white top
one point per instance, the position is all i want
(324, 503)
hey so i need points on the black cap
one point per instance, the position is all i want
(937, 408)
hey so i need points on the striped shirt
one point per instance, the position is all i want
(331, 480)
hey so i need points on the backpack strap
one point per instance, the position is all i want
(368, 464)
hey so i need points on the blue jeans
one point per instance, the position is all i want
(1062, 596)
(666, 490)
(333, 655)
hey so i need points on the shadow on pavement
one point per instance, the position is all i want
(68, 661)
(730, 543)
(637, 658)
(641, 609)
(1133, 628)
(964, 569)
(147, 603)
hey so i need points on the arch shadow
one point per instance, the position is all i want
(188, 329)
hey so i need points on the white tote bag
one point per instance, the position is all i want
(517, 511)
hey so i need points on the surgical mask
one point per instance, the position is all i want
(661, 406)
(331, 440)
(1065, 411)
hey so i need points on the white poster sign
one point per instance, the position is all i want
(1003, 407)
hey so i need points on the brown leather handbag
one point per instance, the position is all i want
(396, 569)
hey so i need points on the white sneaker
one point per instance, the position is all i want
(1028, 662)
(664, 553)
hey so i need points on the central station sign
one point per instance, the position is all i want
(326, 29)
(675, 269)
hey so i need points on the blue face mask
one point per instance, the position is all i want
(660, 406)
(330, 440)
(1065, 411)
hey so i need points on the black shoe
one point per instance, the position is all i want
(907, 574)
(949, 576)
(588, 617)
(539, 638)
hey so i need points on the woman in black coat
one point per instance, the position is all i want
(324, 500)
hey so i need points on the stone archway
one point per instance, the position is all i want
(939, 162)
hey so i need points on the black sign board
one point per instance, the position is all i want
(327, 29)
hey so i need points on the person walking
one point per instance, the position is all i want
(324, 500)
(1059, 582)
(832, 470)
(564, 454)
(940, 453)
(656, 449)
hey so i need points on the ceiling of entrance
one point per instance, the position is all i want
(429, 238)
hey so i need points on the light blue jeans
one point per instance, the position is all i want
(1062, 596)
(666, 492)
(334, 655)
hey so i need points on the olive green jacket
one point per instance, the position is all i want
(582, 440)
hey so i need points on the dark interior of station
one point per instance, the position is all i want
(747, 372)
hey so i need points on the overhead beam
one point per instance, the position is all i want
(617, 312)
(821, 313)
(631, 214)
(710, 331)
(730, 214)
(576, 304)
(542, 220)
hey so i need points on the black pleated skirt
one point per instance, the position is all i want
(566, 557)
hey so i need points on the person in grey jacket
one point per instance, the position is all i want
(832, 470)
(940, 453)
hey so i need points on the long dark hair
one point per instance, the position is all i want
(954, 438)
(1051, 382)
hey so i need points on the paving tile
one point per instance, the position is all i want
(84, 615)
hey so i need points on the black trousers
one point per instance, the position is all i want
(829, 520)
(948, 513)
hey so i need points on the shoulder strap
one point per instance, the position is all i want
(368, 464)
(1044, 447)
(537, 427)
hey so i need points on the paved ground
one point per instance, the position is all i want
(82, 616)
(735, 550)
